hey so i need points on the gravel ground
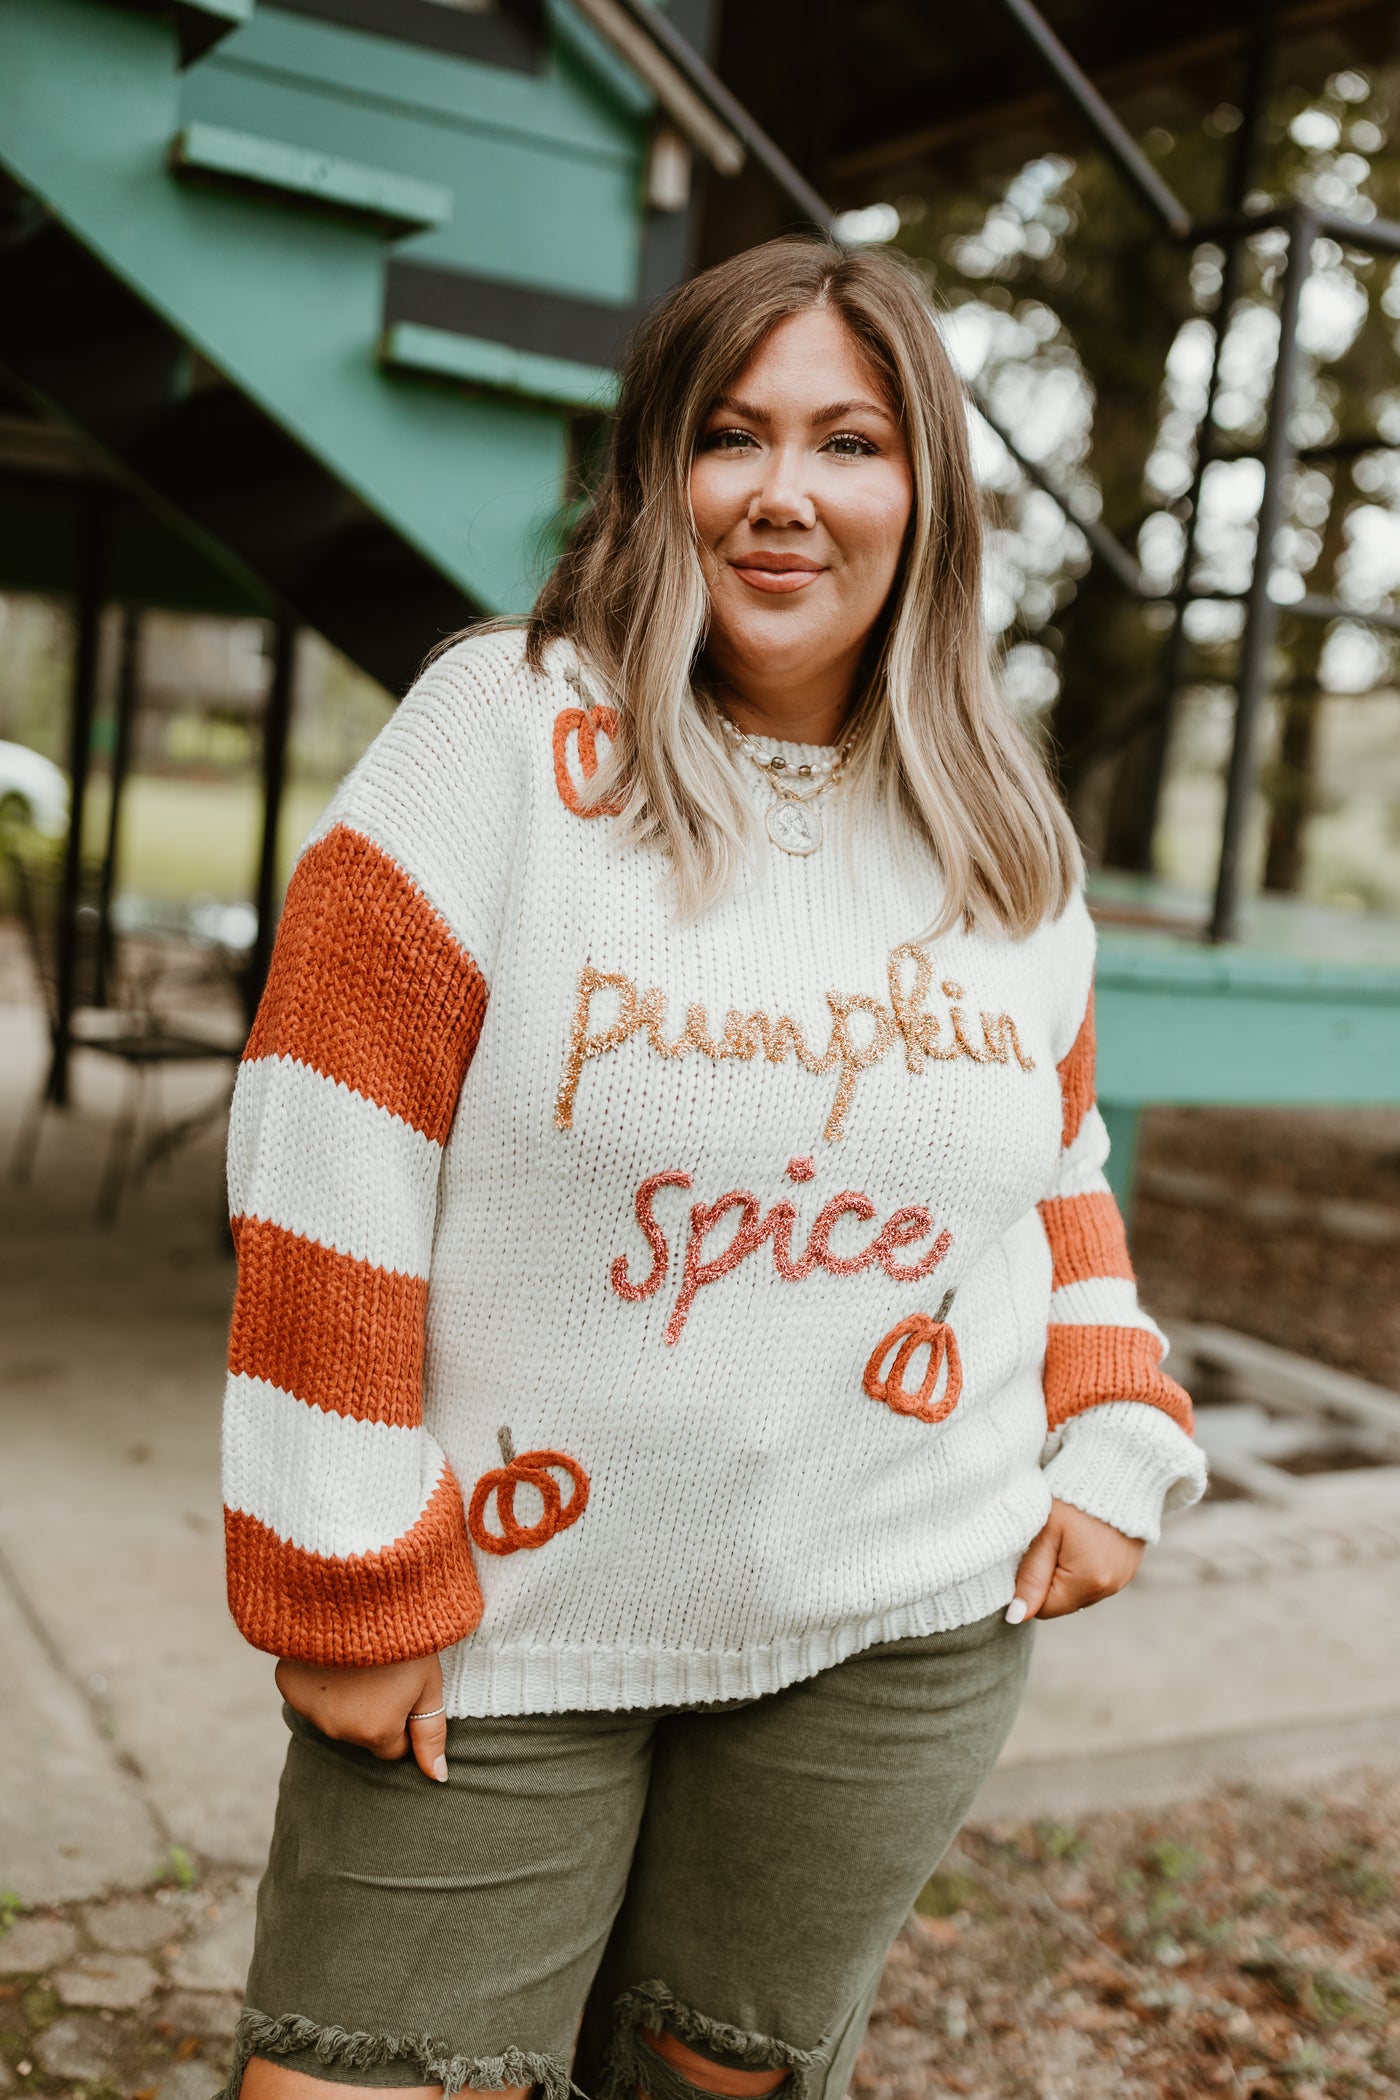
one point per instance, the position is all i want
(1247, 1946)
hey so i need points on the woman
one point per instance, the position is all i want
(667, 1140)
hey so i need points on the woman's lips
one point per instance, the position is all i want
(794, 579)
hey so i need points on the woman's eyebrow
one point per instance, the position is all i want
(834, 412)
(730, 405)
(837, 411)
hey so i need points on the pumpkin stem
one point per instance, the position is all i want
(946, 1307)
(507, 1444)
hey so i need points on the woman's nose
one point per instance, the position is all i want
(780, 498)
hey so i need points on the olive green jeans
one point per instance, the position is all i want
(734, 1874)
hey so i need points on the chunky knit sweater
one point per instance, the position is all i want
(646, 1311)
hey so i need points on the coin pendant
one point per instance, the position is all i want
(794, 826)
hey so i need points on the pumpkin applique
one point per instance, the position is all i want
(583, 726)
(884, 1380)
(534, 1469)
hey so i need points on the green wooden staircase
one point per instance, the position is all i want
(333, 281)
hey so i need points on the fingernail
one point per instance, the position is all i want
(1016, 1610)
(440, 1768)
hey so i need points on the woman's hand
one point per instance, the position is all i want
(371, 1706)
(1076, 1560)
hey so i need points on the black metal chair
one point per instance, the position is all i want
(113, 1016)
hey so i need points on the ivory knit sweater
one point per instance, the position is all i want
(777, 1242)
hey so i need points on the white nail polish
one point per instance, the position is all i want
(1016, 1610)
(440, 1768)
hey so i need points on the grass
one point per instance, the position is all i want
(186, 838)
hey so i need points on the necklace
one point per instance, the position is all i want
(790, 819)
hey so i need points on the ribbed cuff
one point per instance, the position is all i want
(1128, 1464)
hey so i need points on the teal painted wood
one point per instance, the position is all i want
(286, 304)
(442, 354)
(1123, 1126)
(1186, 1024)
(376, 193)
(545, 172)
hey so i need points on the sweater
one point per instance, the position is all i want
(644, 1311)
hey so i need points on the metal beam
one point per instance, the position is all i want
(1109, 549)
(1237, 184)
(128, 694)
(1117, 141)
(1261, 617)
(1338, 448)
(692, 113)
(89, 575)
(1315, 606)
(277, 723)
(707, 83)
(1379, 236)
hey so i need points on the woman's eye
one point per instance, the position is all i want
(727, 441)
(847, 445)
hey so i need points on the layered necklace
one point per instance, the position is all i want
(791, 819)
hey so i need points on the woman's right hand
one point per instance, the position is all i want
(371, 1706)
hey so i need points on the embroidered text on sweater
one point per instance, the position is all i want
(850, 1049)
(754, 1434)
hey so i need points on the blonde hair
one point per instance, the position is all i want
(930, 728)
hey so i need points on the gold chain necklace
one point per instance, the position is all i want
(791, 821)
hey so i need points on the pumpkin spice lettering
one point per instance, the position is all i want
(901, 1232)
(863, 1031)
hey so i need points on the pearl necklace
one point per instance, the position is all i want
(790, 820)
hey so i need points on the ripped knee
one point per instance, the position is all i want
(663, 2050)
(707, 2074)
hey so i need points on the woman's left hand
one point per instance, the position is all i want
(1076, 1560)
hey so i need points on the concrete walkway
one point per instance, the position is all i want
(1256, 1644)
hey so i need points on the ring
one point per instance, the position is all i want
(431, 1715)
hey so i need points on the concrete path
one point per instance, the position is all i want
(1258, 1643)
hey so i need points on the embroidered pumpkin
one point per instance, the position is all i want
(534, 1469)
(919, 1331)
(584, 725)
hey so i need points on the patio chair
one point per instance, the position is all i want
(114, 1017)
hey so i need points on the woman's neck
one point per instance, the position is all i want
(792, 711)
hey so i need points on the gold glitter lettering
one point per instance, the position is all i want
(748, 1035)
(997, 1030)
(582, 1045)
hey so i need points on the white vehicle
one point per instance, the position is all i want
(32, 792)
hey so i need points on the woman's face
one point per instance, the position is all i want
(801, 493)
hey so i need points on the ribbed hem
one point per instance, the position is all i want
(1128, 1464)
(479, 1679)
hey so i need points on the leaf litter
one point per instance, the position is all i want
(1245, 1945)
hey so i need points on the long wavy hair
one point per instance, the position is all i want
(931, 732)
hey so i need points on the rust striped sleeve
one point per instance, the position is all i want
(346, 1540)
(368, 987)
(1100, 1346)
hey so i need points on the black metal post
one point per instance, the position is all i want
(1117, 142)
(277, 722)
(128, 689)
(1237, 184)
(87, 618)
(1261, 613)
